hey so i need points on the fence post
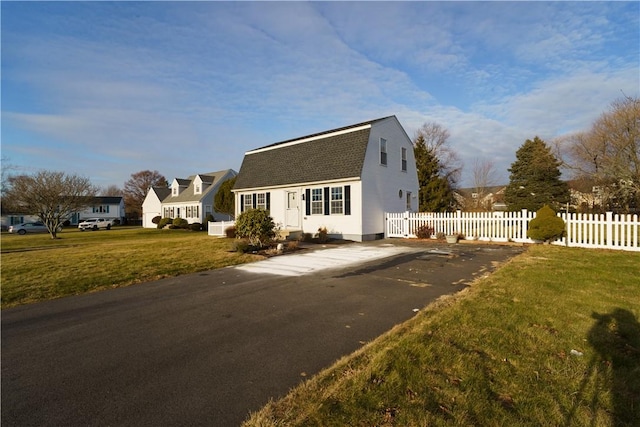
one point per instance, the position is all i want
(609, 229)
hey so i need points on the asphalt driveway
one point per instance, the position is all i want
(208, 348)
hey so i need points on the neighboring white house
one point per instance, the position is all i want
(343, 179)
(152, 205)
(191, 199)
(108, 207)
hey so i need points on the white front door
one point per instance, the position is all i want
(292, 215)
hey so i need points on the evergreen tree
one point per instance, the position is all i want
(225, 199)
(535, 179)
(435, 195)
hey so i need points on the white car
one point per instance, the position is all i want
(95, 224)
(30, 227)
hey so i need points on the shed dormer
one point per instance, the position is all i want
(178, 185)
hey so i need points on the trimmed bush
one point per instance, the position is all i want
(209, 218)
(196, 226)
(180, 223)
(156, 219)
(546, 226)
(425, 231)
(257, 226)
(164, 221)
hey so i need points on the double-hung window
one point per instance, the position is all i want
(261, 201)
(383, 151)
(317, 203)
(248, 202)
(337, 200)
(404, 159)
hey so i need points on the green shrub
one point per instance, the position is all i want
(546, 226)
(255, 225)
(425, 231)
(180, 223)
(156, 219)
(164, 221)
(196, 226)
(306, 237)
(209, 218)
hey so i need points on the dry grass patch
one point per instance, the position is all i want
(36, 268)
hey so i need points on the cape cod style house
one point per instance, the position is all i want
(342, 180)
(191, 198)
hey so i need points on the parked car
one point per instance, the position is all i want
(30, 227)
(95, 224)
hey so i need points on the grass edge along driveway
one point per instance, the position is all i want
(552, 338)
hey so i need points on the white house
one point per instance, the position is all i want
(108, 207)
(152, 205)
(191, 198)
(342, 180)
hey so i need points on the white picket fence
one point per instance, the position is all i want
(219, 228)
(607, 231)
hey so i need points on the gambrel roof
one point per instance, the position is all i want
(330, 155)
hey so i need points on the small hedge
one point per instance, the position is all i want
(164, 222)
(196, 226)
(546, 226)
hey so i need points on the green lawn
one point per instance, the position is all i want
(551, 339)
(36, 268)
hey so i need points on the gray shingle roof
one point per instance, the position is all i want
(286, 163)
(188, 194)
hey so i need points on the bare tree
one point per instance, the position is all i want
(484, 176)
(111, 191)
(136, 188)
(609, 153)
(436, 139)
(52, 196)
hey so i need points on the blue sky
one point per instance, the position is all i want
(107, 89)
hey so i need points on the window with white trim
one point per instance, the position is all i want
(261, 201)
(404, 159)
(317, 206)
(383, 151)
(248, 202)
(337, 200)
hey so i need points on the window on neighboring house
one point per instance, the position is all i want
(317, 207)
(101, 209)
(198, 189)
(337, 200)
(175, 191)
(408, 200)
(383, 151)
(404, 159)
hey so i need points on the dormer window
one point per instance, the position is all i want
(198, 189)
(174, 191)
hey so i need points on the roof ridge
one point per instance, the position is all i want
(315, 135)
